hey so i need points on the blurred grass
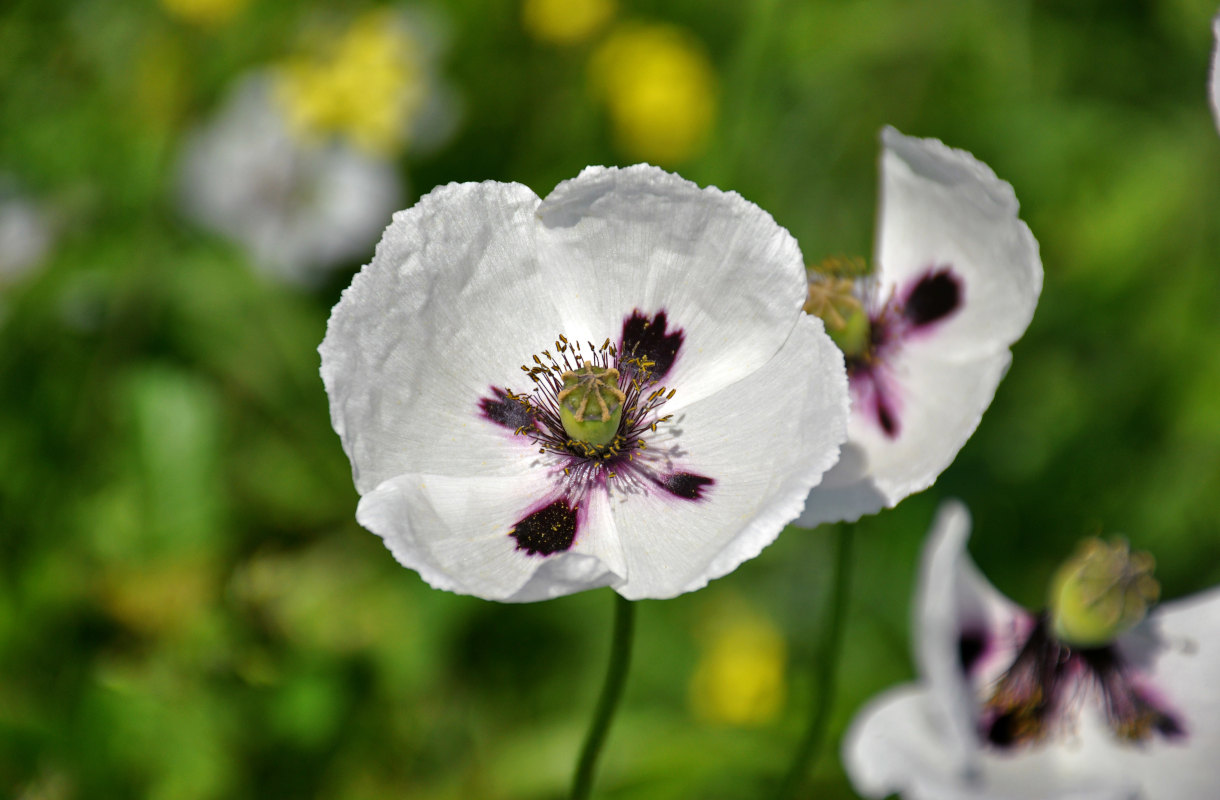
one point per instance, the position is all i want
(187, 606)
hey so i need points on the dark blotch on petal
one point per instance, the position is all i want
(1169, 727)
(1132, 714)
(936, 296)
(1003, 731)
(686, 485)
(505, 411)
(550, 529)
(886, 416)
(649, 338)
(970, 647)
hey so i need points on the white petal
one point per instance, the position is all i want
(898, 744)
(1179, 648)
(941, 207)
(762, 443)
(846, 493)
(452, 305)
(938, 404)
(455, 533)
(953, 598)
(616, 240)
(1215, 72)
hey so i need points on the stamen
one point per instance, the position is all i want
(841, 267)
(832, 299)
(835, 299)
(1097, 595)
(591, 405)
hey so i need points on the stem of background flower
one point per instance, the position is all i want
(612, 690)
(825, 669)
(742, 89)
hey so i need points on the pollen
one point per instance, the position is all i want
(833, 300)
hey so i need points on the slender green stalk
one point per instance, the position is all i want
(825, 669)
(742, 90)
(612, 690)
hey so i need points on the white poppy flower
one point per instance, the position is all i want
(956, 279)
(299, 207)
(447, 359)
(1006, 710)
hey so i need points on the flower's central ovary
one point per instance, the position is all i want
(833, 296)
(591, 404)
(1101, 592)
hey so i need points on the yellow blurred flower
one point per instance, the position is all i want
(740, 678)
(660, 89)
(205, 13)
(366, 86)
(565, 21)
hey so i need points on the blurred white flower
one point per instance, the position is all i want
(25, 233)
(299, 207)
(1215, 72)
(499, 461)
(1008, 709)
(926, 336)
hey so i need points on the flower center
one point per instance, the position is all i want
(1101, 592)
(591, 404)
(833, 297)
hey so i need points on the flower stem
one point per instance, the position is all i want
(612, 690)
(825, 669)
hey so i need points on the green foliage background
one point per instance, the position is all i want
(187, 606)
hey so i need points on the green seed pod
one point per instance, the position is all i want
(1101, 592)
(591, 404)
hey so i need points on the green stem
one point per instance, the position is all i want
(742, 88)
(612, 690)
(825, 669)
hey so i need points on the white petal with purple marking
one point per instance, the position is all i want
(642, 238)
(941, 404)
(1179, 648)
(726, 436)
(942, 208)
(954, 604)
(924, 740)
(455, 532)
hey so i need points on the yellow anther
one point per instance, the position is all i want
(833, 300)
